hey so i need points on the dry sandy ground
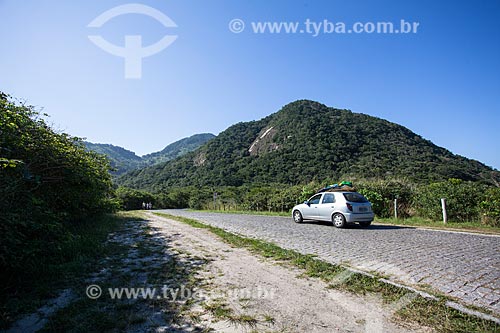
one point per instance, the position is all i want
(275, 295)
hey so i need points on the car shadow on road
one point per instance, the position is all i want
(357, 226)
(380, 227)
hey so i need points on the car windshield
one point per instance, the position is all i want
(354, 197)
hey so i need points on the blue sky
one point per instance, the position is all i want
(442, 82)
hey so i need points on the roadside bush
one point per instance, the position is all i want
(379, 204)
(256, 198)
(178, 197)
(466, 201)
(490, 207)
(201, 199)
(308, 191)
(131, 199)
(48, 181)
(382, 194)
(462, 200)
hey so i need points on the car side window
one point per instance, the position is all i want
(328, 198)
(315, 199)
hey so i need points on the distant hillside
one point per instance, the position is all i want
(178, 148)
(123, 160)
(307, 141)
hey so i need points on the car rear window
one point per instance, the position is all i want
(355, 197)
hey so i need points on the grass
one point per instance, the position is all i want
(459, 226)
(244, 212)
(220, 310)
(432, 313)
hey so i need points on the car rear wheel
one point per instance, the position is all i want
(338, 220)
(297, 217)
(365, 224)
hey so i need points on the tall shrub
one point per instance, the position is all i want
(382, 194)
(47, 179)
(490, 207)
(462, 199)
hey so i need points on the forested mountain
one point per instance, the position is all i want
(123, 160)
(307, 141)
(178, 148)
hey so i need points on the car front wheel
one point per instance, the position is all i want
(338, 220)
(297, 217)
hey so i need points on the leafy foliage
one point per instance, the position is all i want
(462, 200)
(382, 194)
(131, 199)
(466, 201)
(490, 207)
(47, 180)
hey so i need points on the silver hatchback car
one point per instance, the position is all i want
(339, 207)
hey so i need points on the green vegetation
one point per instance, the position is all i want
(427, 312)
(123, 160)
(243, 212)
(74, 258)
(131, 199)
(468, 202)
(463, 197)
(220, 310)
(52, 189)
(489, 207)
(307, 141)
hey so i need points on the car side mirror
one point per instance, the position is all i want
(307, 203)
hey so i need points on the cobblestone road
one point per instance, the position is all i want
(465, 266)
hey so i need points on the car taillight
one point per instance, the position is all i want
(349, 206)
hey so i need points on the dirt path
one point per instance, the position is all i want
(270, 297)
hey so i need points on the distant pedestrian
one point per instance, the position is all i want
(143, 205)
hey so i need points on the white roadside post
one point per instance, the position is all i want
(443, 207)
(396, 209)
